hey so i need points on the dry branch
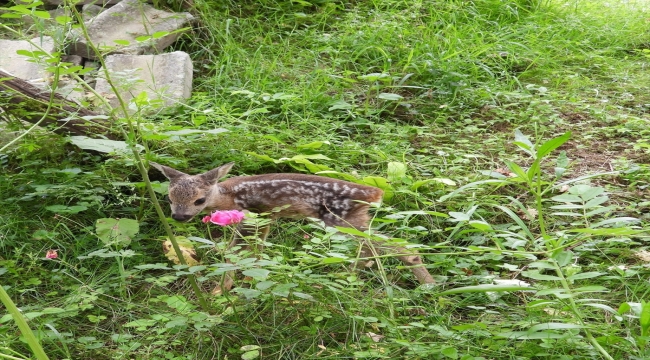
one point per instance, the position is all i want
(27, 102)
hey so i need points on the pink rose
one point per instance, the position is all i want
(226, 217)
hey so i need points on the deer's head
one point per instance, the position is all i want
(190, 194)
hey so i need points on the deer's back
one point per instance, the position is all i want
(307, 196)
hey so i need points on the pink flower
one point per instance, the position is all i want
(226, 217)
(51, 254)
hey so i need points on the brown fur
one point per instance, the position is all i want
(335, 202)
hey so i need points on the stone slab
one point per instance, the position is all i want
(19, 65)
(127, 21)
(82, 2)
(90, 11)
(164, 77)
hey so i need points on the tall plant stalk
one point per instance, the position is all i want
(130, 137)
(31, 339)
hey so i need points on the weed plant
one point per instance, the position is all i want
(510, 137)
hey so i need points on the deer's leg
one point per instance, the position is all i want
(414, 261)
(359, 219)
(243, 231)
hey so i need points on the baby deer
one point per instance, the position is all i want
(335, 202)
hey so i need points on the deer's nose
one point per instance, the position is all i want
(181, 217)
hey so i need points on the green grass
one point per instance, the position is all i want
(440, 87)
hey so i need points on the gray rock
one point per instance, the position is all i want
(127, 21)
(166, 78)
(71, 90)
(82, 2)
(90, 11)
(22, 66)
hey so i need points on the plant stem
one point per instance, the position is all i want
(31, 339)
(576, 311)
(130, 139)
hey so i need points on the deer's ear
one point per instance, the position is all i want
(214, 175)
(169, 173)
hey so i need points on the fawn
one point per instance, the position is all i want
(335, 202)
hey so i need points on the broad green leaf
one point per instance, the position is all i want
(459, 216)
(301, 295)
(179, 303)
(307, 156)
(554, 326)
(264, 285)
(159, 34)
(596, 201)
(516, 169)
(340, 105)
(156, 266)
(353, 231)
(41, 14)
(376, 181)
(591, 288)
(565, 213)
(248, 293)
(283, 289)
(25, 53)
(450, 352)
(141, 323)
(561, 164)
(607, 308)
(618, 220)
(62, 20)
(567, 207)
(374, 76)
(250, 355)
(63, 209)
(313, 145)
(644, 318)
(122, 42)
(590, 193)
(552, 144)
(608, 232)
(257, 274)
(622, 309)
(263, 157)
(390, 96)
(396, 171)
(523, 142)
(563, 258)
(567, 198)
(420, 183)
(249, 347)
(114, 231)
(485, 288)
(480, 225)
(337, 174)
(102, 145)
(177, 134)
(332, 260)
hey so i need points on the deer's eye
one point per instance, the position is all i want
(199, 201)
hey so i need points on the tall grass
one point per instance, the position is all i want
(438, 86)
